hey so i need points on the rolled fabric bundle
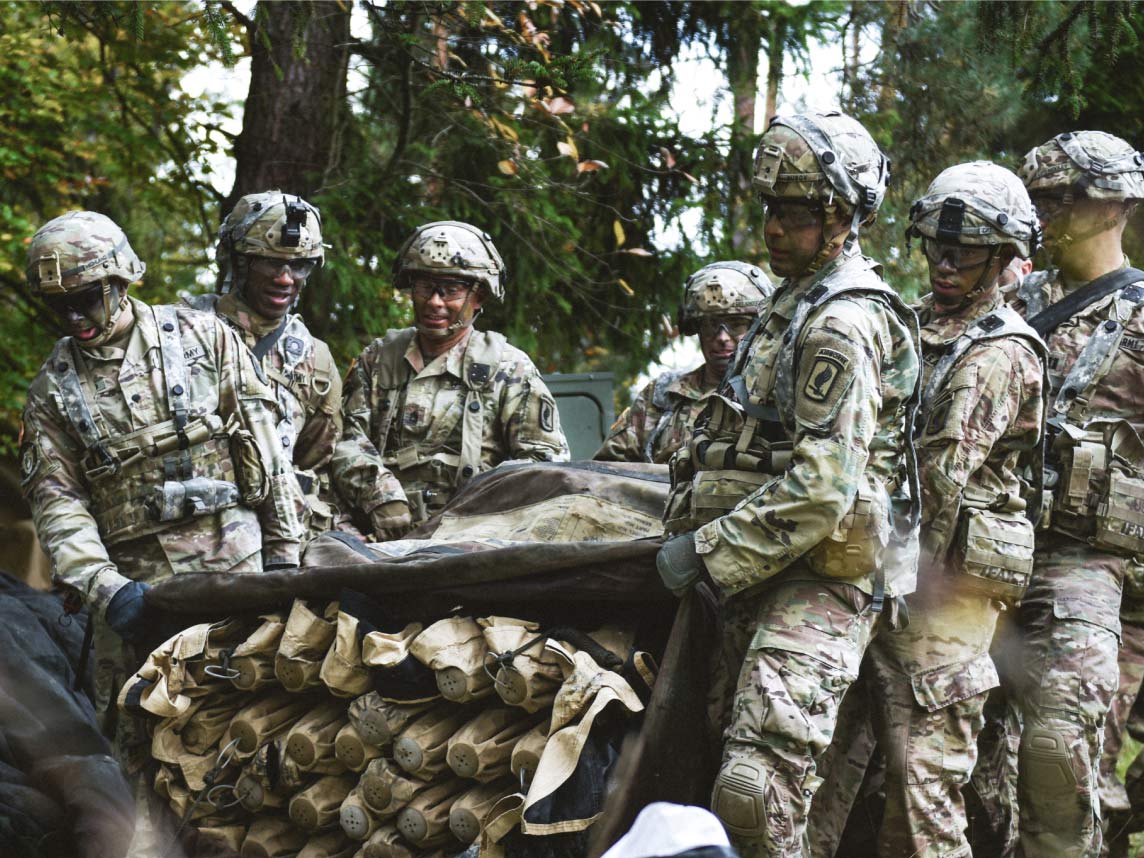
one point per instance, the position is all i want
(378, 720)
(310, 742)
(386, 842)
(252, 661)
(482, 748)
(357, 819)
(328, 844)
(260, 721)
(421, 747)
(343, 671)
(272, 837)
(455, 649)
(527, 675)
(385, 788)
(269, 779)
(207, 725)
(352, 751)
(316, 808)
(425, 820)
(529, 747)
(468, 813)
(304, 644)
(220, 839)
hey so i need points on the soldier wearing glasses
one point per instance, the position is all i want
(440, 402)
(720, 301)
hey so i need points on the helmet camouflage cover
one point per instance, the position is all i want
(274, 224)
(453, 248)
(825, 157)
(1093, 164)
(722, 289)
(978, 203)
(77, 249)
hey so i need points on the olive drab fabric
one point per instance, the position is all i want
(421, 431)
(659, 421)
(308, 388)
(128, 454)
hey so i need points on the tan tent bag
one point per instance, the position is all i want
(310, 742)
(455, 650)
(425, 820)
(468, 813)
(421, 747)
(316, 808)
(482, 748)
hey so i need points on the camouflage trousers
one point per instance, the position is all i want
(920, 698)
(808, 641)
(1122, 815)
(1070, 626)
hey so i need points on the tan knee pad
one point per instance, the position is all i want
(739, 797)
(1047, 761)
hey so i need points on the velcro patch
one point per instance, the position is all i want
(1135, 344)
(547, 415)
(829, 365)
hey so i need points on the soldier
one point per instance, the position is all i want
(982, 408)
(268, 246)
(783, 496)
(437, 403)
(1089, 310)
(720, 301)
(149, 450)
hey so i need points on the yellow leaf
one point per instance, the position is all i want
(506, 131)
(507, 166)
(618, 229)
(568, 148)
(590, 166)
(624, 285)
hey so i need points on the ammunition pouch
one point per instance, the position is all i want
(249, 467)
(1098, 496)
(175, 501)
(726, 477)
(996, 550)
(857, 546)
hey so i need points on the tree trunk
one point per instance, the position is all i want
(775, 65)
(743, 77)
(299, 57)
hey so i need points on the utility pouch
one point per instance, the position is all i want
(997, 552)
(1083, 462)
(178, 500)
(857, 547)
(715, 493)
(249, 467)
(1120, 516)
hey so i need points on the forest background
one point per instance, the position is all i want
(547, 122)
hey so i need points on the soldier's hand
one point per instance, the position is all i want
(127, 611)
(678, 563)
(390, 520)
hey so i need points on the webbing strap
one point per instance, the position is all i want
(174, 369)
(1047, 320)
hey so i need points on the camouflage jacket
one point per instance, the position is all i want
(834, 403)
(128, 397)
(1117, 393)
(436, 425)
(659, 421)
(975, 426)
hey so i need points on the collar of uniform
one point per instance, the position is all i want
(938, 329)
(689, 385)
(143, 337)
(238, 311)
(446, 362)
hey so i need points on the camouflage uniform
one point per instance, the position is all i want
(298, 366)
(421, 430)
(659, 421)
(663, 415)
(1070, 616)
(782, 482)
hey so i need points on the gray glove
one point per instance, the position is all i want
(678, 563)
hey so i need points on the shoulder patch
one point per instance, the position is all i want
(828, 366)
(547, 415)
(29, 460)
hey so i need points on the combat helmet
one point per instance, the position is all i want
(978, 203)
(722, 289)
(1091, 164)
(454, 248)
(78, 250)
(269, 223)
(828, 158)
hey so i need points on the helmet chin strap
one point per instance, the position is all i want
(978, 288)
(462, 322)
(112, 314)
(832, 241)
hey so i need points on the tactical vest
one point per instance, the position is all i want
(723, 473)
(994, 540)
(666, 404)
(392, 375)
(1031, 291)
(147, 480)
(1095, 460)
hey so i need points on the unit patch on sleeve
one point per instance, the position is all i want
(828, 366)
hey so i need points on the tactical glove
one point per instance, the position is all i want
(390, 520)
(679, 564)
(127, 611)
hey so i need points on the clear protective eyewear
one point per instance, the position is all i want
(268, 266)
(735, 326)
(958, 256)
(792, 214)
(448, 290)
(1050, 207)
(82, 302)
